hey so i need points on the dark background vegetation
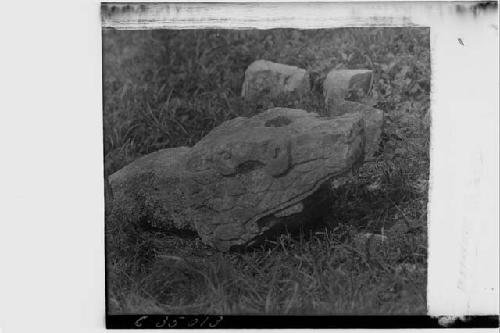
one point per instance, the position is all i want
(169, 88)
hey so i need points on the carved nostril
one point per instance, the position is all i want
(276, 152)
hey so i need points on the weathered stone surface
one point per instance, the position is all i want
(374, 122)
(269, 79)
(247, 177)
(341, 84)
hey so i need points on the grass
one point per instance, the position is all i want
(170, 88)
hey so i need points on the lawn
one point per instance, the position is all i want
(169, 88)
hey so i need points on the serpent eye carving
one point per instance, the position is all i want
(223, 162)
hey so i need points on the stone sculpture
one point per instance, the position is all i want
(246, 178)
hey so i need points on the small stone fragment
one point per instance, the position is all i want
(370, 244)
(347, 84)
(269, 79)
